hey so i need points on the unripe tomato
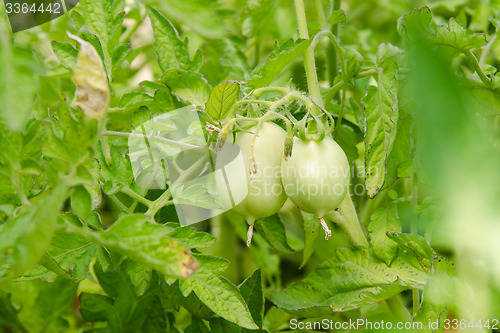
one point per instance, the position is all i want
(316, 176)
(265, 192)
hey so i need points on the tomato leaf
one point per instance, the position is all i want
(415, 243)
(221, 99)
(381, 119)
(382, 220)
(172, 51)
(66, 53)
(190, 87)
(273, 230)
(281, 56)
(311, 232)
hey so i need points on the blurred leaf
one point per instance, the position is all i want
(95, 307)
(9, 314)
(189, 87)
(382, 220)
(81, 202)
(337, 16)
(256, 16)
(382, 113)
(172, 52)
(221, 99)
(66, 53)
(19, 72)
(281, 56)
(273, 230)
(197, 326)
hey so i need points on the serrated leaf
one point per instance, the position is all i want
(148, 243)
(251, 291)
(189, 87)
(25, 238)
(66, 53)
(384, 219)
(354, 277)
(311, 232)
(281, 56)
(337, 16)
(381, 119)
(415, 243)
(273, 230)
(221, 99)
(172, 51)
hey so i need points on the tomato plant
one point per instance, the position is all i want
(375, 120)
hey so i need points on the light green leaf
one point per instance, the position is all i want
(221, 99)
(19, 72)
(382, 220)
(415, 243)
(25, 238)
(381, 119)
(172, 52)
(191, 238)
(257, 16)
(148, 243)
(281, 56)
(81, 202)
(66, 53)
(354, 277)
(457, 36)
(189, 87)
(273, 230)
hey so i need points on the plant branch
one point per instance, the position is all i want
(345, 216)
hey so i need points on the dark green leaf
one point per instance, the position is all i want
(273, 230)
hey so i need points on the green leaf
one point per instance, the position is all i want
(94, 307)
(70, 255)
(25, 238)
(81, 202)
(354, 277)
(251, 291)
(19, 72)
(221, 99)
(337, 16)
(415, 243)
(257, 17)
(384, 219)
(191, 238)
(311, 229)
(8, 313)
(273, 230)
(172, 52)
(381, 119)
(220, 295)
(281, 56)
(190, 87)
(149, 244)
(66, 53)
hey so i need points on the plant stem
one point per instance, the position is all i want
(486, 49)
(472, 58)
(309, 63)
(397, 307)
(321, 14)
(131, 193)
(331, 53)
(346, 217)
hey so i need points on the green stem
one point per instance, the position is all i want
(341, 113)
(397, 307)
(309, 63)
(131, 193)
(486, 49)
(321, 13)
(331, 51)
(346, 217)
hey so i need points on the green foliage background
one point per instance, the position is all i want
(413, 88)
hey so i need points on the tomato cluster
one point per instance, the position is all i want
(315, 177)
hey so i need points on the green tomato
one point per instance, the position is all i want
(316, 176)
(265, 194)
